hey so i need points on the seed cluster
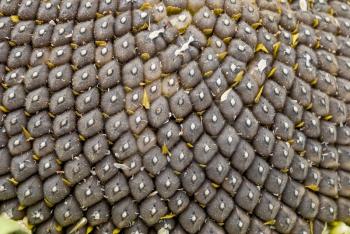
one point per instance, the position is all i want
(175, 116)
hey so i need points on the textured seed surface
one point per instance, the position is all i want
(186, 116)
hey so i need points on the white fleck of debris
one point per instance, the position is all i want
(156, 33)
(262, 65)
(225, 95)
(185, 46)
(303, 5)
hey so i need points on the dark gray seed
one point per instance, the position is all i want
(107, 6)
(137, 226)
(96, 148)
(116, 125)
(146, 140)
(125, 146)
(220, 207)
(48, 226)
(104, 28)
(240, 50)
(228, 141)
(247, 196)
(204, 150)
(14, 77)
(84, 55)
(309, 206)
(307, 35)
(7, 189)
(328, 40)
(48, 166)
(338, 110)
(30, 191)
(288, 20)
(264, 37)
(125, 49)
(109, 75)
(180, 104)
(217, 169)
(275, 94)
(124, 212)
(104, 54)
(330, 158)
(344, 183)
(328, 209)
(232, 182)
(213, 120)
(284, 75)
(264, 111)
(89, 192)
(217, 83)
(5, 31)
(327, 61)
(68, 146)
(112, 101)
(192, 218)
(293, 110)
(167, 183)
(39, 124)
(77, 169)
(256, 226)
(343, 89)
(343, 208)
(293, 193)
(14, 121)
(107, 227)
(19, 56)
(299, 141)
(84, 78)
(286, 54)
(61, 101)
(98, 213)
(68, 212)
(344, 157)
(237, 222)
(268, 207)
(88, 100)
(192, 178)
(116, 188)
(318, 226)
(141, 185)
(313, 177)
(90, 123)
(47, 11)
(10, 208)
(230, 105)
(285, 219)
(14, 97)
(247, 34)
(179, 202)
(152, 209)
(217, 44)
(133, 165)
(211, 227)
(258, 171)
(37, 100)
(301, 92)
(38, 213)
(170, 85)
(329, 183)
(123, 23)
(21, 32)
(250, 12)
(205, 193)
(311, 124)
(326, 82)
(60, 77)
(60, 55)
(204, 19)
(190, 75)
(170, 60)
(87, 10)
(299, 168)
(68, 10)
(201, 97)
(152, 69)
(283, 127)
(231, 67)
(264, 141)
(36, 77)
(192, 128)
(64, 123)
(23, 166)
(6, 161)
(270, 20)
(42, 35)
(158, 113)
(104, 168)
(18, 144)
(246, 124)
(61, 34)
(320, 103)
(313, 151)
(154, 161)
(276, 182)
(243, 156)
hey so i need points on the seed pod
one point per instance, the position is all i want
(299, 141)
(264, 142)
(313, 177)
(7, 190)
(220, 207)
(264, 111)
(167, 183)
(146, 140)
(67, 212)
(61, 101)
(192, 178)
(180, 104)
(247, 196)
(309, 205)
(6, 161)
(112, 101)
(105, 227)
(217, 169)
(152, 209)
(48, 166)
(14, 121)
(14, 97)
(154, 161)
(141, 185)
(268, 208)
(109, 75)
(124, 212)
(329, 183)
(330, 158)
(60, 77)
(230, 105)
(39, 124)
(328, 209)
(205, 193)
(246, 124)
(98, 214)
(158, 113)
(240, 50)
(299, 168)
(243, 156)
(38, 213)
(293, 193)
(89, 192)
(125, 146)
(64, 123)
(237, 222)
(77, 169)
(285, 219)
(124, 48)
(23, 166)
(68, 146)
(104, 169)
(192, 218)
(217, 83)
(87, 101)
(276, 182)
(30, 191)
